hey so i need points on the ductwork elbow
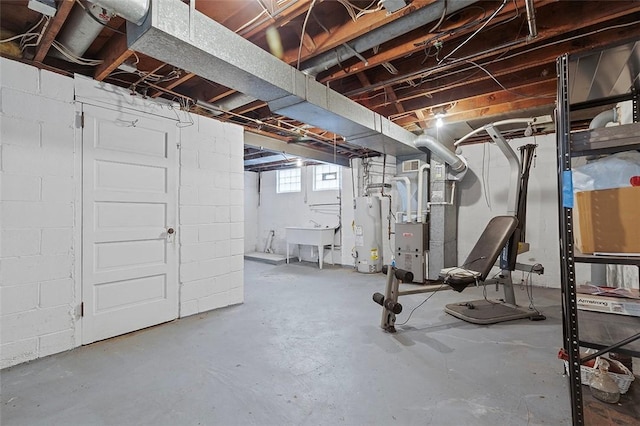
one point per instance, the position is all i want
(428, 143)
(603, 118)
(133, 11)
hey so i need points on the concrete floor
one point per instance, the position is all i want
(306, 349)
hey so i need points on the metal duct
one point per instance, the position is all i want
(382, 34)
(369, 40)
(86, 22)
(425, 143)
(190, 40)
(132, 10)
(81, 30)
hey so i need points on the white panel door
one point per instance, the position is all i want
(129, 252)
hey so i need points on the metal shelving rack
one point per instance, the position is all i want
(576, 144)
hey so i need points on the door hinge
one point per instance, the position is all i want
(81, 309)
(80, 120)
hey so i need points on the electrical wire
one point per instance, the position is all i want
(74, 58)
(421, 303)
(29, 34)
(528, 284)
(444, 283)
(504, 88)
(356, 12)
(493, 15)
(304, 28)
(444, 13)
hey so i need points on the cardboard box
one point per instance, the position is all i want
(608, 220)
(613, 305)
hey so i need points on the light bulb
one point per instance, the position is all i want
(299, 162)
(439, 122)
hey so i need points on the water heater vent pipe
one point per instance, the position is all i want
(421, 171)
(407, 182)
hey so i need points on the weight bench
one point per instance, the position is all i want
(474, 270)
(483, 256)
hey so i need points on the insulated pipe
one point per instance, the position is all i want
(531, 19)
(602, 119)
(133, 11)
(425, 143)
(408, 184)
(421, 170)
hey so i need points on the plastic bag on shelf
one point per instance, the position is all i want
(613, 171)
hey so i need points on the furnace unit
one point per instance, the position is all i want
(412, 245)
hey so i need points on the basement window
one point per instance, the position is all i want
(326, 177)
(288, 180)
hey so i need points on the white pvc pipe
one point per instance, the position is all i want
(408, 184)
(599, 270)
(421, 170)
(602, 119)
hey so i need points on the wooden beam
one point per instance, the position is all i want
(422, 119)
(55, 24)
(554, 17)
(114, 53)
(174, 83)
(538, 64)
(412, 42)
(221, 96)
(492, 104)
(391, 94)
(351, 30)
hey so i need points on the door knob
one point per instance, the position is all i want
(170, 231)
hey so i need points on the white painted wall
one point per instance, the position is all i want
(251, 217)
(277, 211)
(39, 222)
(211, 216)
(479, 202)
(40, 216)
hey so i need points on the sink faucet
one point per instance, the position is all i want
(315, 224)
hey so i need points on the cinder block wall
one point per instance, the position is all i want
(40, 213)
(211, 216)
(39, 183)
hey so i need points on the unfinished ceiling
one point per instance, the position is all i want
(462, 62)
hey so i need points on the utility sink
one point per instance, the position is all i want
(313, 236)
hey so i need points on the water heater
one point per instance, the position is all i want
(368, 234)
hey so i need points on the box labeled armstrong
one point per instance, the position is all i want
(613, 305)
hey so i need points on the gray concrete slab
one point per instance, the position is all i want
(306, 349)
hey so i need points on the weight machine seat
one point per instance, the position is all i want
(483, 256)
